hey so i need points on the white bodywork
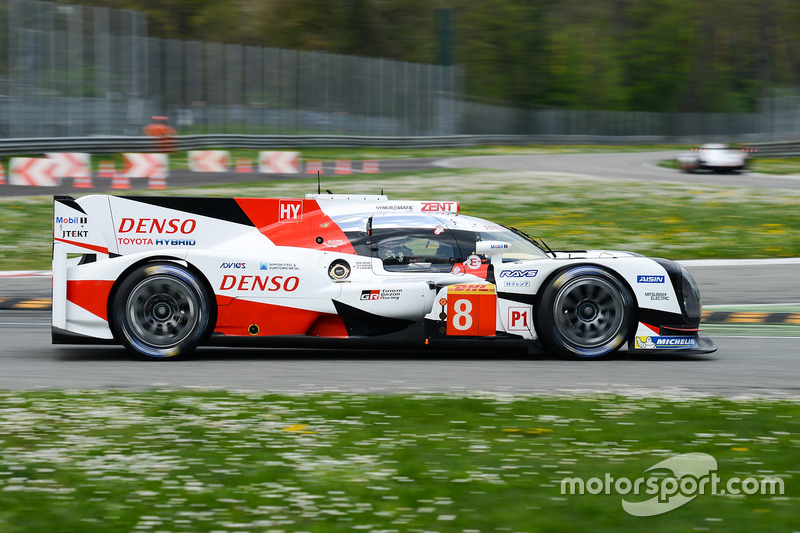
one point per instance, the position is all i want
(713, 157)
(245, 266)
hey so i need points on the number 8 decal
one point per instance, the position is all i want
(471, 310)
(462, 308)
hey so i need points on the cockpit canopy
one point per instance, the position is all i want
(409, 242)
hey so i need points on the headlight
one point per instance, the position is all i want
(692, 305)
(685, 287)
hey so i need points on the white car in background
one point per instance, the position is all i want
(717, 158)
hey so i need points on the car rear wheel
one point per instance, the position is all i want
(585, 312)
(161, 310)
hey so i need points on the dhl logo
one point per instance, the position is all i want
(471, 288)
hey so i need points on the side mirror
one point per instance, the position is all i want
(493, 249)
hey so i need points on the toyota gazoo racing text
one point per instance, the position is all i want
(162, 276)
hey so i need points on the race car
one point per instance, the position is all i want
(717, 158)
(164, 275)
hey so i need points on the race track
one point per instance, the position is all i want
(639, 166)
(742, 365)
(764, 362)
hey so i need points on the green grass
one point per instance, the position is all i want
(405, 153)
(666, 220)
(774, 165)
(238, 461)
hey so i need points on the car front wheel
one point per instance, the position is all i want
(585, 312)
(161, 310)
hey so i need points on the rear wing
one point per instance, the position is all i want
(72, 228)
(74, 232)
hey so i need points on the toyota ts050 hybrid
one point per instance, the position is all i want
(164, 275)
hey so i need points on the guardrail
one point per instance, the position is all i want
(114, 144)
(777, 149)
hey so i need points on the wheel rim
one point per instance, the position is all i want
(162, 311)
(589, 313)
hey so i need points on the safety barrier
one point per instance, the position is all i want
(272, 162)
(208, 160)
(777, 149)
(115, 144)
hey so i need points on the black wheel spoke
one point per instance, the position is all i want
(163, 311)
(589, 312)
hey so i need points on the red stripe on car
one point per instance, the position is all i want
(90, 294)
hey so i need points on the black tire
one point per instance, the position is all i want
(585, 312)
(161, 310)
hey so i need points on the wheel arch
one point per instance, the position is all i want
(156, 259)
(550, 278)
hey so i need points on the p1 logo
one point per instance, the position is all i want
(471, 310)
(519, 319)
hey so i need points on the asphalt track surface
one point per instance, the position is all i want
(639, 166)
(761, 365)
(743, 365)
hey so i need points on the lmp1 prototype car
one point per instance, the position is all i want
(164, 275)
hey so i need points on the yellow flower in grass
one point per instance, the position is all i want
(529, 431)
(773, 228)
(298, 428)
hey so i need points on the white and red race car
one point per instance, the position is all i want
(164, 275)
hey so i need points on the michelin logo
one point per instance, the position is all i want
(654, 343)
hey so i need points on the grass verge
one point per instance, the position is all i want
(247, 461)
(569, 212)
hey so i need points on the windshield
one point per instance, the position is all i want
(522, 247)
